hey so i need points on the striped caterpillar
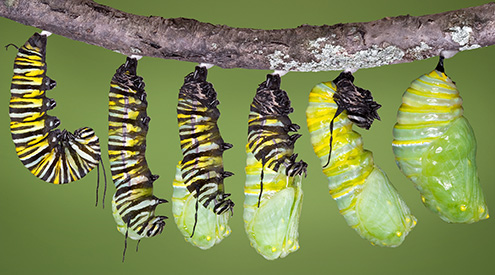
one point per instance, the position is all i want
(364, 195)
(435, 147)
(133, 204)
(273, 193)
(52, 155)
(200, 174)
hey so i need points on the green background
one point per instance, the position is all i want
(49, 229)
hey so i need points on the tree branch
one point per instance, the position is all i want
(305, 48)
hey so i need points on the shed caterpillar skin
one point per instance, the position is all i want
(52, 155)
(435, 147)
(201, 207)
(273, 193)
(364, 194)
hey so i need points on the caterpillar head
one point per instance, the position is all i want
(223, 204)
(155, 226)
(296, 168)
(84, 135)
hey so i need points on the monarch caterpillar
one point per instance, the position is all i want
(52, 155)
(364, 195)
(200, 174)
(435, 147)
(273, 193)
(133, 204)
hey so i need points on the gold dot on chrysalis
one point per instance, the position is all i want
(463, 207)
(398, 233)
(222, 228)
(408, 220)
(481, 209)
(423, 199)
(274, 249)
(208, 238)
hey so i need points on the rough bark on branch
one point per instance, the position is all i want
(305, 48)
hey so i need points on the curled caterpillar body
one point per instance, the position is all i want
(435, 147)
(50, 154)
(133, 204)
(364, 195)
(201, 206)
(273, 191)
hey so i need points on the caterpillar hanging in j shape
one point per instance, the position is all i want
(52, 155)
(201, 207)
(133, 204)
(435, 147)
(364, 194)
(273, 191)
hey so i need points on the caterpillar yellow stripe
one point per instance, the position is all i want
(435, 147)
(364, 194)
(273, 191)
